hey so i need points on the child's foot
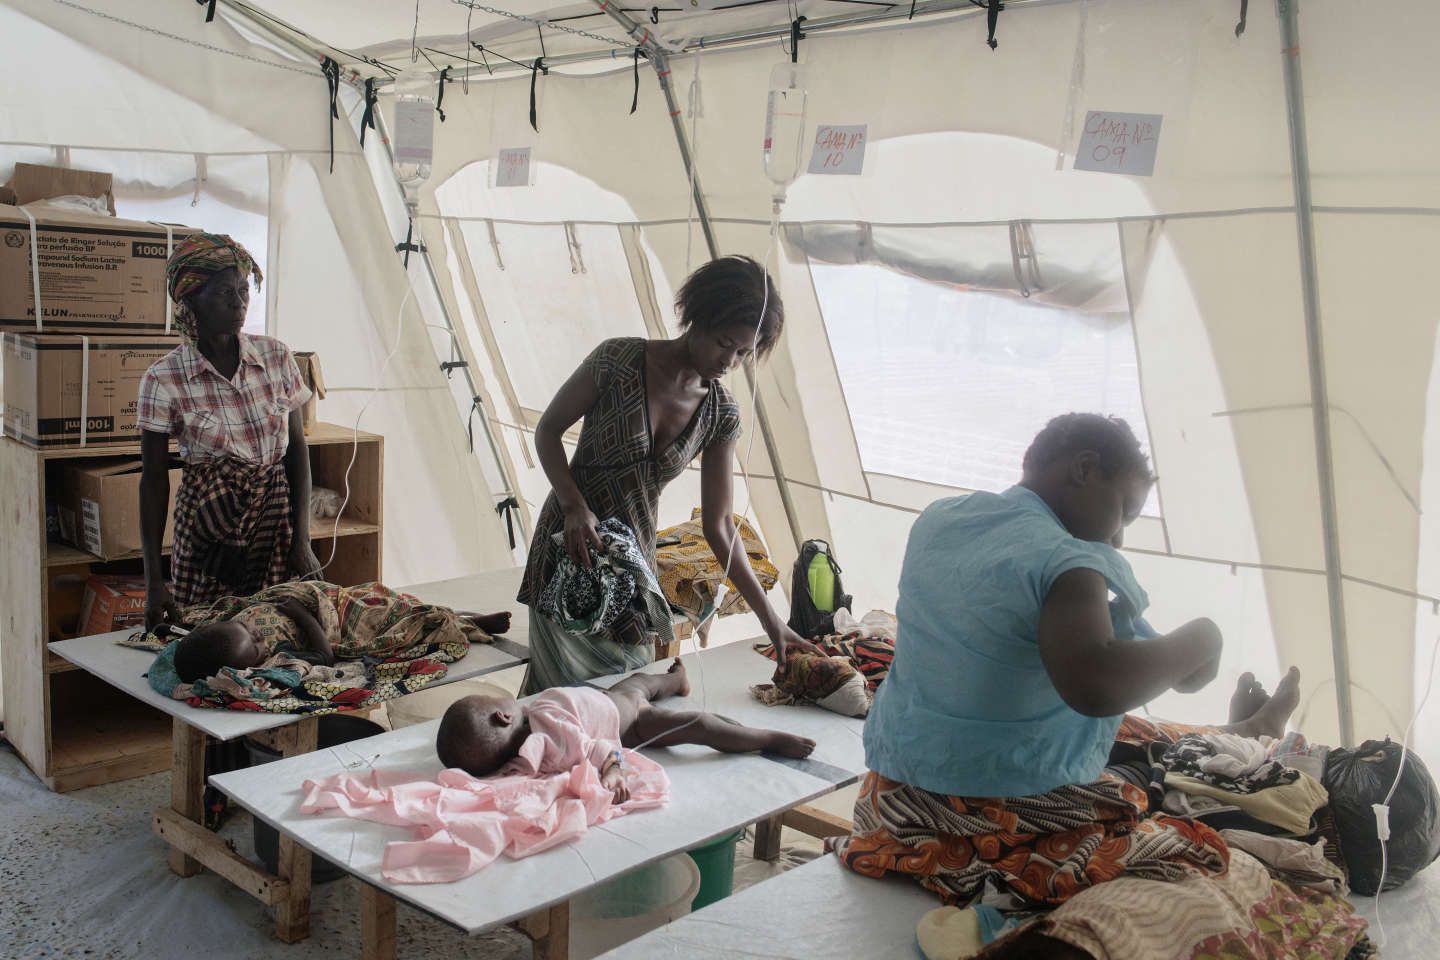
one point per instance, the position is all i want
(491, 623)
(789, 744)
(1249, 696)
(677, 671)
(1271, 717)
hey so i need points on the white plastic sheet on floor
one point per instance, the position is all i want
(920, 352)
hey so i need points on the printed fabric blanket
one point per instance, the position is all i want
(461, 824)
(690, 574)
(842, 681)
(1243, 914)
(386, 644)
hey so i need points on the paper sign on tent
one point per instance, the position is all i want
(1119, 143)
(839, 149)
(513, 168)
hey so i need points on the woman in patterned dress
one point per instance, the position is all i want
(650, 408)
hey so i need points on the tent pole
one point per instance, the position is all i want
(661, 62)
(1288, 11)
(702, 213)
(512, 489)
(849, 21)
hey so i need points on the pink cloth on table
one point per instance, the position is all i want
(547, 796)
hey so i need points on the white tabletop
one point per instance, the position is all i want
(720, 682)
(712, 794)
(124, 667)
(816, 910)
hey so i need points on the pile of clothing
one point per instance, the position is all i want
(844, 680)
(1259, 785)
(616, 596)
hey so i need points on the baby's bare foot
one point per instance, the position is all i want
(790, 745)
(491, 623)
(677, 669)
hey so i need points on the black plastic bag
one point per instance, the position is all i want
(1356, 779)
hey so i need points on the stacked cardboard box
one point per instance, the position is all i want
(73, 355)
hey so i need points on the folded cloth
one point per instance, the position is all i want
(829, 682)
(690, 574)
(876, 623)
(953, 933)
(1241, 914)
(1298, 863)
(1290, 806)
(1238, 764)
(605, 598)
(461, 823)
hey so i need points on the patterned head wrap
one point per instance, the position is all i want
(198, 258)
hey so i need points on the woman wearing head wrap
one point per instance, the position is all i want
(232, 401)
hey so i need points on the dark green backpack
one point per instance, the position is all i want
(816, 591)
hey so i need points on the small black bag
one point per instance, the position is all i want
(815, 591)
(1358, 778)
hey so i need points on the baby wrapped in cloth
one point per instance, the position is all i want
(254, 653)
(843, 680)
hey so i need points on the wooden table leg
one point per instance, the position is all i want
(549, 932)
(377, 924)
(292, 915)
(187, 786)
(767, 838)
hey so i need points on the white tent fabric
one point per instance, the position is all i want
(1195, 270)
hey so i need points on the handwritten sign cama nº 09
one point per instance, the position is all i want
(1119, 143)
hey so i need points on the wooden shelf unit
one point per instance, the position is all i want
(73, 729)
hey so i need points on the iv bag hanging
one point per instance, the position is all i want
(785, 126)
(414, 134)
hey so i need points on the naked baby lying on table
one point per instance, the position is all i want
(521, 779)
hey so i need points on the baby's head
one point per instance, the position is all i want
(480, 734)
(206, 649)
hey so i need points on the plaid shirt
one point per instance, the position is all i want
(246, 418)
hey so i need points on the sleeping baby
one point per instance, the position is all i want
(565, 726)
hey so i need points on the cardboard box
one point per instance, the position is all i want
(309, 364)
(48, 378)
(32, 181)
(100, 506)
(97, 274)
(111, 603)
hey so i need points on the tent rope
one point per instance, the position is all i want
(541, 22)
(175, 36)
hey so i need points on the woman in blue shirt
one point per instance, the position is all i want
(988, 741)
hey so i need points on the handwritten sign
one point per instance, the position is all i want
(839, 149)
(513, 168)
(1119, 143)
